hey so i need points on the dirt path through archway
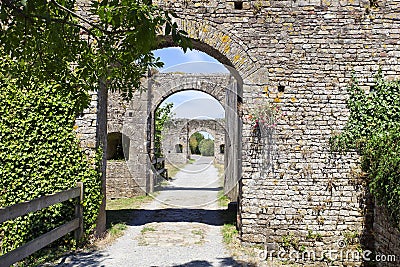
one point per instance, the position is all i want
(181, 227)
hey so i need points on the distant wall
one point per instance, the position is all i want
(120, 183)
(177, 133)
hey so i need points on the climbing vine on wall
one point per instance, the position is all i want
(373, 129)
(40, 155)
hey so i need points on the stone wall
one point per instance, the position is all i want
(120, 183)
(85, 126)
(387, 238)
(179, 131)
(301, 55)
(116, 109)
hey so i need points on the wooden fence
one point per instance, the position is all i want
(24, 208)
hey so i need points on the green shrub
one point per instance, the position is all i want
(373, 129)
(381, 159)
(206, 147)
(40, 155)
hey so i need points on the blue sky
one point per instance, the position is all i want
(193, 61)
(191, 104)
(195, 105)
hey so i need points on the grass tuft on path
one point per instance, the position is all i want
(229, 233)
(173, 169)
(127, 203)
(119, 214)
(223, 200)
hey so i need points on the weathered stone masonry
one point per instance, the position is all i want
(309, 48)
(178, 131)
(134, 120)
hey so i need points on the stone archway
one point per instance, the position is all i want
(179, 131)
(139, 122)
(224, 88)
(294, 52)
(134, 119)
(93, 123)
(217, 130)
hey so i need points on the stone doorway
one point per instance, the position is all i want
(135, 121)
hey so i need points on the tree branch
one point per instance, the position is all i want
(74, 14)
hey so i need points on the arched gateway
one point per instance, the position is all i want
(177, 134)
(300, 55)
(138, 124)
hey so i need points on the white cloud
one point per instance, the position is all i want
(193, 55)
(183, 96)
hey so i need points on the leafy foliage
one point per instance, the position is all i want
(194, 142)
(206, 147)
(112, 41)
(163, 114)
(50, 56)
(40, 155)
(381, 158)
(373, 129)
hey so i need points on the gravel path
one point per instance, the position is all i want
(181, 227)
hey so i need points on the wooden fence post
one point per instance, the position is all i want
(78, 234)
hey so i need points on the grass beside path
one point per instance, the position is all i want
(173, 169)
(223, 200)
(119, 213)
(127, 203)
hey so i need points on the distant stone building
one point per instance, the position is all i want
(176, 135)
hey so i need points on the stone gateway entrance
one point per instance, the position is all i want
(177, 132)
(134, 121)
(300, 55)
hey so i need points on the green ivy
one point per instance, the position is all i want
(373, 129)
(40, 155)
(381, 158)
(50, 57)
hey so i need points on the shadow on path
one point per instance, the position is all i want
(137, 217)
(225, 262)
(95, 258)
(87, 259)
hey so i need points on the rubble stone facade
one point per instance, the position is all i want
(300, 54)
(176, 135)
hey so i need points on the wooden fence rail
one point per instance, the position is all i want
(21, 209)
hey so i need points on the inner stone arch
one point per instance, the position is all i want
(182, 130)
(223, 87)
(136, 122)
